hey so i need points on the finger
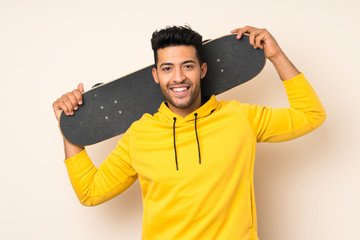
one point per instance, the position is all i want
(75, 98)
(57, 109)
(70, 101)
(252, 37)
(259, 40)
(240, 31)
(81, 87)
(78, 95)
(237, 31)
(243, 30)
(67, 105)
(59, 106)
(249, 31)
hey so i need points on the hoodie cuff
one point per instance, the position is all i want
(78, 162)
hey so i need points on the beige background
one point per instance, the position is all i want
(305, 189)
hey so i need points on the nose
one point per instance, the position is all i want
(179, 75)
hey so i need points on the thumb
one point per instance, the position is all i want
(81, 87)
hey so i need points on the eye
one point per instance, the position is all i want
(166, 69)
(188, 66)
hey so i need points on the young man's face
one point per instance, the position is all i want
(179, 73)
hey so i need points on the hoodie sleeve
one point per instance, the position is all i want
(305, 114)
(96, 185)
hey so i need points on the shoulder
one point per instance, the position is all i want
(234, 105)
(237, 108)
(145, 123)
(138, 127)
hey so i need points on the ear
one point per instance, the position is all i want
(154, 73)
(203, 70)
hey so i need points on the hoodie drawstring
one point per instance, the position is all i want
(176, 162)
(197, 140)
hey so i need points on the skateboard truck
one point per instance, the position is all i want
(98, 84)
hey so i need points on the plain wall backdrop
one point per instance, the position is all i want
(307, 188)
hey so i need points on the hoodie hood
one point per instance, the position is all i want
(165, 114)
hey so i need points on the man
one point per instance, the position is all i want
(195, 157)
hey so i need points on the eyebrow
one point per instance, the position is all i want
(171, 64)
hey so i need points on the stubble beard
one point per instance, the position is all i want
(192, 97)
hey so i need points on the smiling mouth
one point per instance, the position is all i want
(179, 89)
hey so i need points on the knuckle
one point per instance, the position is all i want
(65, 96)
(57, 103)
(78, 95)
(64, 99)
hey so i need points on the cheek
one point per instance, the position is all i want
(196, 77)
(163, 79)
(163, 84)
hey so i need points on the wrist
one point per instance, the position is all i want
(71, 149)
(278, 57)
(284, 67)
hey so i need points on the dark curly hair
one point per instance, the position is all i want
(176, 36)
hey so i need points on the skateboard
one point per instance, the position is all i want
(108, 110)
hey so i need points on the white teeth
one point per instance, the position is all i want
(179, 89)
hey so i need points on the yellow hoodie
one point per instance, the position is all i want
(196, 173)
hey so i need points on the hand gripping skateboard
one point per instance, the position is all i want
(109, 109)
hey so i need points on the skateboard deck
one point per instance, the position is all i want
(109, 109)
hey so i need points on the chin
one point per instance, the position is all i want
(183, 103)
(178, 104)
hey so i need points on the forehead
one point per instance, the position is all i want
(176, 54)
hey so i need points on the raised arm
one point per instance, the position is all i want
(93, 185)
(306, 112)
